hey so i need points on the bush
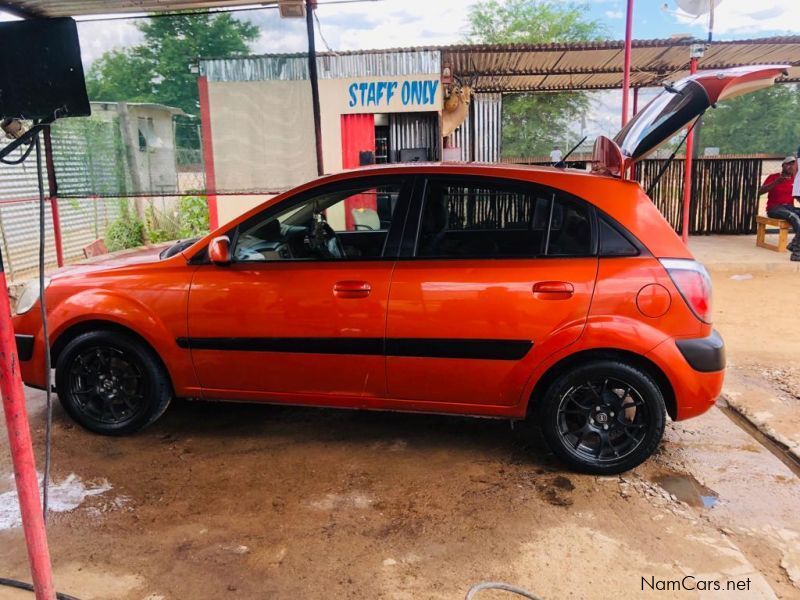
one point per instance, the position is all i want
(193, 216)
(127, 231)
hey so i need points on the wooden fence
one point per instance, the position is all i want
(724, 193)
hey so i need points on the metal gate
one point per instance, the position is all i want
(414, 130)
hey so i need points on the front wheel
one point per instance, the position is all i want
(111, 383)
(603, 417)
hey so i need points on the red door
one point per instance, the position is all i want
(358, 135)
(501, 276)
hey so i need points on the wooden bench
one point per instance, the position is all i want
(783, 233)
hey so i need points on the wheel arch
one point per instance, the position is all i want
(594, 354)
(76, 329)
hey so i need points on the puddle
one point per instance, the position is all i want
(687, 489)
(64, 496)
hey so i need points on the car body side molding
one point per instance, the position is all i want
(410, 347)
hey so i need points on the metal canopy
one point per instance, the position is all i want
(598, 65)
(82, 8)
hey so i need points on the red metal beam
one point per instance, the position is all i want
(626, 69)
(687, 173)
(208, 152)
(52, 186)
(19, 440)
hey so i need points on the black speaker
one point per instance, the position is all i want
(40, 70)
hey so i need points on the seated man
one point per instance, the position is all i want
(780, 204)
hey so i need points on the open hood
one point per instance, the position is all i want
(676, 107)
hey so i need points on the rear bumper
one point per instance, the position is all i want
(704, 354)
(688, 365)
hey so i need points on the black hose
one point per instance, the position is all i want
(21, 585)
(45, 331)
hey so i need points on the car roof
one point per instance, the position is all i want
(471, 167)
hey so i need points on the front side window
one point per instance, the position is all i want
(499, 220)
(347, 223)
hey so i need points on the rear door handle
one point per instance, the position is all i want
(553, 290)
(351, 289)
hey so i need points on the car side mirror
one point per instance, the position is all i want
(219, 251)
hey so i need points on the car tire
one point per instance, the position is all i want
(111, 383)
(603, 417)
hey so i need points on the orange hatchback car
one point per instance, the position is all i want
(496, 291)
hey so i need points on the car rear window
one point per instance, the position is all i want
(499, 220)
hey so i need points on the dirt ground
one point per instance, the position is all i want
(242, 501)
(755, 314)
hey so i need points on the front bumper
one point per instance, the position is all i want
(24, 346)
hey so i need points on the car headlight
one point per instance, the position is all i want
(24, 295)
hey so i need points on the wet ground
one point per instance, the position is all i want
(238, 501)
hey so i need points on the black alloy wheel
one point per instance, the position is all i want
(604, 417)
(111, 383)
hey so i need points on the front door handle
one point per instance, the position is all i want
(553, 290)
(351, 289)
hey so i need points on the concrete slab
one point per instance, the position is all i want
(739, 253)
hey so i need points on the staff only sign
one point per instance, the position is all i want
(418, 93)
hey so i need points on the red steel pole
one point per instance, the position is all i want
(19, 438)
(208, 153)
(52, 186)
(626, 70)
(687, 172)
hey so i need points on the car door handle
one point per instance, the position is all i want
(351, 289)
(553, 290)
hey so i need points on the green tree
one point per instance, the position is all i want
(535, 122)
(766, 121)
(157, 70)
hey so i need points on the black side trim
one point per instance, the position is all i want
(416, 347)
(439, 348)
(24, 346)
(299, 345)
(706, 355)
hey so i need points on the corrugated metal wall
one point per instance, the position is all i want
(414, 130)
(485, 117)
(329, 66)
(87, 159)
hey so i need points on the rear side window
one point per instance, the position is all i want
(500, 220)
(613, 242)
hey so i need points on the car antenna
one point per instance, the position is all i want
(562, 164)
(668, 162)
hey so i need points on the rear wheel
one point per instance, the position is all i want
(603, 417)
(111, 383)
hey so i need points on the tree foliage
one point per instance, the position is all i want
(534, 123)
(157, 70)
(766, 121)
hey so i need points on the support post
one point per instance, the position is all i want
(626, 69)
(19, 439)
(52, 186)
(635, 111)
(687, 168)
(312, 76)
(208, 153)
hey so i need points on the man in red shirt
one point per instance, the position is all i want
(780, 204)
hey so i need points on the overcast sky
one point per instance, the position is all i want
(391, 23)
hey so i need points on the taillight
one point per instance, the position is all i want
(694, 284)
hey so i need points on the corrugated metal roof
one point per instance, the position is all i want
(523, 67)
(329, 66)
(78, 8)
(598, 65)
